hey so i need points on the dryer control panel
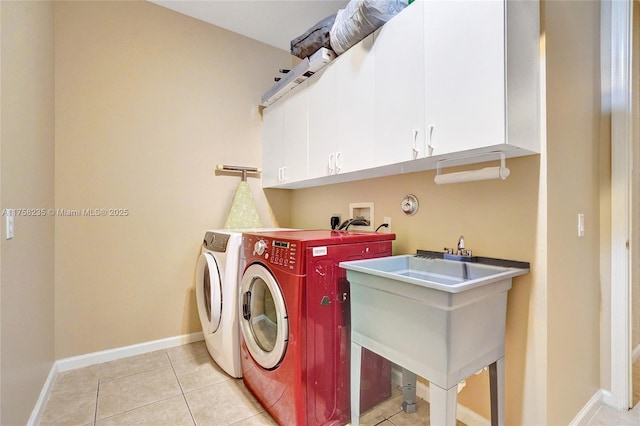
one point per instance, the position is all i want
(215, 241)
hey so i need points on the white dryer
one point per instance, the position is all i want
(217, 286)
(217, 295)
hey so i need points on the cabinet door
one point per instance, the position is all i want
(399, 79)
(295, 136)
(355, 97)
(465, 73)
(272, 137)
(322, 121)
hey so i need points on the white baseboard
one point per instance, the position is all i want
(464, 414)
(38, 410)
(112, 354)
(80, 361)
(591, 407)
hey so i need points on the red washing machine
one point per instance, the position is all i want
(295, 324)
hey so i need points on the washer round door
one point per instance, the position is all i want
(209, 292)
(264, 322)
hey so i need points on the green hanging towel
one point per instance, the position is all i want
(243, 213)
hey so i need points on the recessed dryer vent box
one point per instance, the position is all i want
(361, 211)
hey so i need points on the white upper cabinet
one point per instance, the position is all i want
(341, 121)
(457, 76)
(354, 105)
(464, 58)
(295, 139)
(399, 78)
(272, 140)
(442, 80)
(323, 144)
(285, 139)
(482, 93)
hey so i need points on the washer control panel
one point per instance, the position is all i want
(284, 253)
(277, 252)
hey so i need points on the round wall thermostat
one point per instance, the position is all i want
(409, 204)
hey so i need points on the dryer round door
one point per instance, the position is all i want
(264, 322)
(208, 293)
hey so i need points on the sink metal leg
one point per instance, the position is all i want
(496, 384)
(408, 391)
(443, 405)
(356, 357)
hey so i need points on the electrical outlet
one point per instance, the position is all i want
(335, 221)
(387, 220)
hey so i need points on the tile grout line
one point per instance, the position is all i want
(184, 397)
(151, 403)
(137, 408)
(95, 412)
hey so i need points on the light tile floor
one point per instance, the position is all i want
(184, 386)
(178, 386)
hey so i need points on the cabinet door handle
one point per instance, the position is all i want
(415, 144)
(338, 161)
(430, 145)
(331, 165)
(284, 174)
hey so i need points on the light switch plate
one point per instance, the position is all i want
(9, 225)
(580, 224)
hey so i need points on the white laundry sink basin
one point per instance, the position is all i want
(442, 319)
(440, 274)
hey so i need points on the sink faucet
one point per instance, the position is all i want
(460, 250)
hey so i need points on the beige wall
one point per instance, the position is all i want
(573, 119)
(147, 103)
(27, 171)
(552, 336)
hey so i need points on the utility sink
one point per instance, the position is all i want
(451, 276)
(442, 319)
